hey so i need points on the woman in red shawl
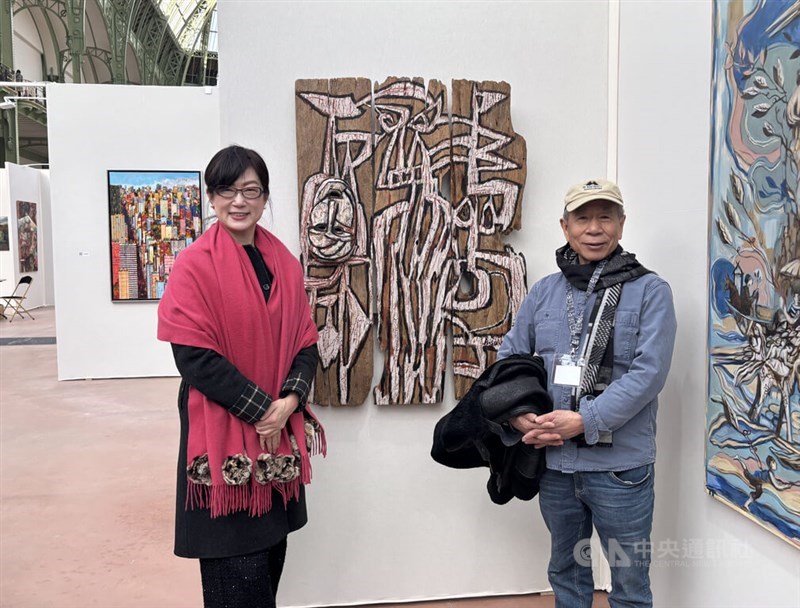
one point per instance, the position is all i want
(236, 314)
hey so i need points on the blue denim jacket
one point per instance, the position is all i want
(644, 334)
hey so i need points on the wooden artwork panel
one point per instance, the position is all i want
(334, 148)
(489, 168)
(411, 238)
(402, 209)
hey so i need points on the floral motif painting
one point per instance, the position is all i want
(27, 236)
(753, 409)
(154, 215)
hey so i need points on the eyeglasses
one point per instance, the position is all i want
(251, 192)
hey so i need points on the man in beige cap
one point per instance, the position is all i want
(605, 327)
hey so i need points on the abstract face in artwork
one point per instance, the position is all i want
(331, 230)
(404, 115)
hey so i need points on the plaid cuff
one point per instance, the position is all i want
(296, 384)
(251, 405)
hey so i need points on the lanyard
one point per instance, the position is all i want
(576, 322)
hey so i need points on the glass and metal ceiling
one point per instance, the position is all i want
(187, 18)
(148, 42)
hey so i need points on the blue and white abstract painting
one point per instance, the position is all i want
(753, 410)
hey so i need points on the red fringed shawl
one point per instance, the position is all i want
(213, 300)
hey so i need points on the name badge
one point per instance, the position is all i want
(568, 370)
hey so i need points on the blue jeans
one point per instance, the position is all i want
(620, 505)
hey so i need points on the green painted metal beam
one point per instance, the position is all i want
(171, 65)
(28, 150)
(91, 37)
(54, 6)
(131, 39)
(118, 37)
(36, 112)
(6, 34)
(32, 141)
(9, 151)
(76, 36)
(97, 54)
(117, 15)
(49, 10)
(160, 54)
(46, 12)
(202, 37)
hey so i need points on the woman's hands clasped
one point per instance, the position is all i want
(271, 424)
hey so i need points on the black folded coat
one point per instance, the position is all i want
(474, 433)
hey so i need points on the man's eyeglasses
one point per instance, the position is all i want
(229, 192)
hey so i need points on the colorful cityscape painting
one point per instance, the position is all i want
(753, 408)
(154, 215)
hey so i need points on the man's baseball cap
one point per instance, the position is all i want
(595, 189)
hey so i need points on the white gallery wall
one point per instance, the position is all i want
(94, 128)
(6, 256)
(386, 522)
(28, 185)
(47, 238)
(664, 131)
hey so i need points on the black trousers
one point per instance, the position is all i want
(245, 581)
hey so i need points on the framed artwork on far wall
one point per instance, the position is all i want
(153, 216)
(4, 243)
(28, 236)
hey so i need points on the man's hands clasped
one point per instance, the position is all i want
(553, 428)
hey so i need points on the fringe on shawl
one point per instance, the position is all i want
(253, 497)
(315, 437)
(315, 444)
(319, 445)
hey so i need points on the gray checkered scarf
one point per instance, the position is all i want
(621, 267)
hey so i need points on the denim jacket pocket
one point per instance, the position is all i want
(626, 334)
(547, 328)
(631, 478)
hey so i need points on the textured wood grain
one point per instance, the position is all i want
(488, 179)
(411, 238)
(334, 125)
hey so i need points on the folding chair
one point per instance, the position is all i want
(14, 301)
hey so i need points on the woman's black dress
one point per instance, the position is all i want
(197, 535)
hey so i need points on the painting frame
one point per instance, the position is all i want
(142, 249)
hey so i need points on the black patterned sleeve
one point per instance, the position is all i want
(301, 375)
(220, 380)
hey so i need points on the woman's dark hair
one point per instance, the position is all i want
(228, 164)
